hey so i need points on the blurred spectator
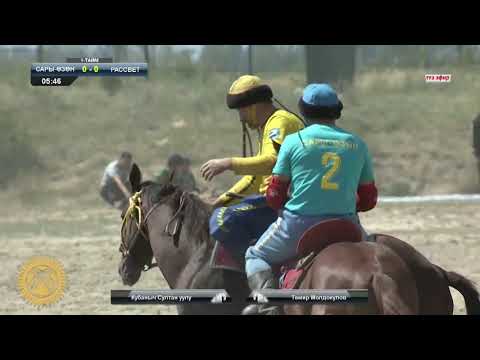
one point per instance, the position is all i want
(183, 177)
(115, 187)
(189, 179)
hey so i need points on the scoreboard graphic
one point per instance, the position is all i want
(64, 74)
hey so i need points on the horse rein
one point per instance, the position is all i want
(177, 220)
(135, 204)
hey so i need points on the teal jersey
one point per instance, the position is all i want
(326, 165)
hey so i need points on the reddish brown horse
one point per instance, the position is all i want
(362, 265)
(378, 270)
(431, 281)
(402, 280)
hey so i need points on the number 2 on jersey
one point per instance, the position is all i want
(326, 184)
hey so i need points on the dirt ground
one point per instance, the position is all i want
(87, 244)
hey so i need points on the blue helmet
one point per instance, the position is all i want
(320, 101)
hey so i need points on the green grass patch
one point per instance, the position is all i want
(419, 134)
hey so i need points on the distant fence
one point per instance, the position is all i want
(430, 198)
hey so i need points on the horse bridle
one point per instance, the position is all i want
(177, 220)
(135, 204)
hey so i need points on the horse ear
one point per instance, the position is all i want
(135, 177)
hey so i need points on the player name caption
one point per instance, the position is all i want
(169, 297)
(161, 298)
(220, 296)
(309, 296)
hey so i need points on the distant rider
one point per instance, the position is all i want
(179, 166)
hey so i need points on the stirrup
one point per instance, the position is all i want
(261, 309)
(271, 310)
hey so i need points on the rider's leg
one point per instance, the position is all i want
(277, 244)
(225, 227)
(356, 220)
(235, 227)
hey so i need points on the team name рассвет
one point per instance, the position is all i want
(124, 69)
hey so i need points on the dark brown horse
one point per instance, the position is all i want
(183, 259)
(182, 254)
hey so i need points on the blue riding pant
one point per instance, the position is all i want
(237, 226)
(279, 243)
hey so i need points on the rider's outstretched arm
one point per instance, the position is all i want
(247, 185)
(257, 165)
(122, 187)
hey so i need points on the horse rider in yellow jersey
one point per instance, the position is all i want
(242, 213)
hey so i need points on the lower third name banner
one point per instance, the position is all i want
(169, 296)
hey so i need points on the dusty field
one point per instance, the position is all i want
(87, 244)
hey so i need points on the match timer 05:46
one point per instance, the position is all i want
(51, 81)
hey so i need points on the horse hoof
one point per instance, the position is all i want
(259, 310)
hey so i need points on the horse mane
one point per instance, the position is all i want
(147, 183)
(197, 217)
(196, 212)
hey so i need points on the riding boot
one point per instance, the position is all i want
(262, 280)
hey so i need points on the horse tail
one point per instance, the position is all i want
(388, 296)
(467, 288)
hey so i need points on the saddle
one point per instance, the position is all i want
(314, 240)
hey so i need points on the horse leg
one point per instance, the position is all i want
(361, 281)
(393, 284)
(389, 299)
(234, 283)
(324, 279)
(433, 293)
(301, 309)
(198, 275)
(346, 309)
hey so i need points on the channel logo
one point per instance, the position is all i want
(431, 78)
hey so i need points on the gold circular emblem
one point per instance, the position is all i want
(41, 280)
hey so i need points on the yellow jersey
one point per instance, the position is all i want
(258, 169)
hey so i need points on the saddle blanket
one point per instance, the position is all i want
(222, 259)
